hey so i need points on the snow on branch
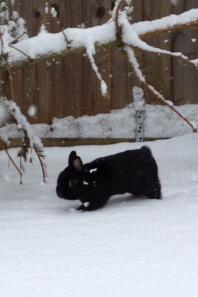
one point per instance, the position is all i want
(22, 123)
(30, 140)
(168, 23)
(45, 44)
(131, 38)
(49, 44)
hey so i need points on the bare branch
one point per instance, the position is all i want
(30, 140)
(41, 158)
(11, 159)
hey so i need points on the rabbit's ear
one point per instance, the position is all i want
(75, 161)
(71, 158)
(78, 164)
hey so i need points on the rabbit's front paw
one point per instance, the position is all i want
(84, 207)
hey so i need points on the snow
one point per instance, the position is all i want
(46, 8)
(138, 98)
(174, 2)
(160, 122)
(32, 111)
(52, 43)
(12, 26)
(132, 247)
(4, 115)
(130, 37)
(134, 62)
(90, 54)
(165, 22)
(23, 124)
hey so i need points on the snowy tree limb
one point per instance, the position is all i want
(30, 140)
(48, 45)
(166, 24)
(131, 38)
(5, 146)
(74, 40)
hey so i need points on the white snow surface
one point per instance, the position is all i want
(131, 247)
(160, 122)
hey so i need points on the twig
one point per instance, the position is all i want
(66, 40)
(117, 15)
(18, 38)
(22, 52)
(12, 161)
(42, 165)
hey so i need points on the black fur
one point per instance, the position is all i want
(132, 171)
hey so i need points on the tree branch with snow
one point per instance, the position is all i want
(46, 45)
(12, 31)
(131, 39)
(30, 142)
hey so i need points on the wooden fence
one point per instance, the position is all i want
(68, 86)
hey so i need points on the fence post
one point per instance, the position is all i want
(140, 113)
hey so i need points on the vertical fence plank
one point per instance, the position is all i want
(30, 92)
(123, 79)
(95, 12)
(71, 72)
(4, 84)
(157, 69)
(185, 76)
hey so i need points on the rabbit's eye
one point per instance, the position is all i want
(73, 183)
(85, 183)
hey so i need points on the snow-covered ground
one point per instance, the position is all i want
(132, 247)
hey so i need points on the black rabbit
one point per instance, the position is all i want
(132, 171)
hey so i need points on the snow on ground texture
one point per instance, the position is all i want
(132, 247)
